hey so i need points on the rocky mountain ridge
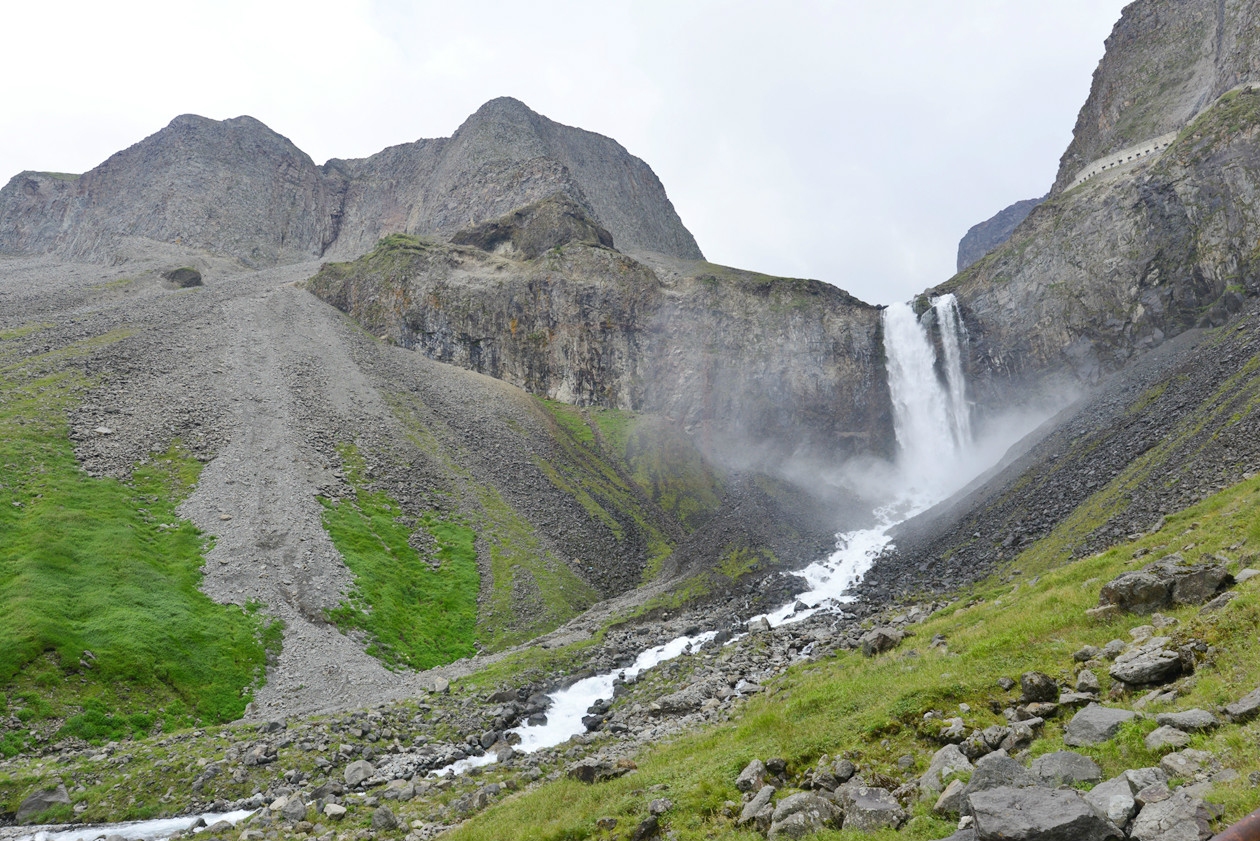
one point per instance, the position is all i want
(237, 188)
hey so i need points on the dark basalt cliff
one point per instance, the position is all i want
(238, 188)
(732, 356)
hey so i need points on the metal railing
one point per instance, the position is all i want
(1247, 829)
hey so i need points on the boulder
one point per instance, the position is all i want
(358, 772)
(294, 809)
(946, 761)
(1037, 686)
(1113, 800)
(184, 277)
(1038, 814)
(1191, 721)
(867, 809)
(1188, 763)
(996, 770)
(1066, 767)
(1177, 818)
(1245, 708)
(753, 777)
(879, 640)
(758, 811)
(384, 819)
(758, 625)
(334, 811)
(1165, 738)
(1095, 724)
(598, 770)
(951, 800)
(649, 827)
(802, 814)
(1151, 662)
(1165, 583)
(39, 801)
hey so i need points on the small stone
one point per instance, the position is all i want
(1089, 652)
(1006, 683)
(1087, 681)
(1037, 686)
(1245, 708)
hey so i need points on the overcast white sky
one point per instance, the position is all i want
(850, 141)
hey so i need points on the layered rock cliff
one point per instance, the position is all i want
(731, 355)
(238, 188)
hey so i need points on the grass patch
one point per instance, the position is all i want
(872, 710)
(107, 567)
(420, 613)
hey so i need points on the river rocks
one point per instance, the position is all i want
(1163, 584)
(1095, 724)
(39, 801)
(869, 808)
(802, 814)
(358, 772)
(1245, 708)
(879, 640)
(1037, 814)
(1066, 767)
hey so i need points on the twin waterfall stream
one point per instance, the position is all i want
(932, 425)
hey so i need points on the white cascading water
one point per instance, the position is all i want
(932, 428)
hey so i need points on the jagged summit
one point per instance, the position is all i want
(238, 188)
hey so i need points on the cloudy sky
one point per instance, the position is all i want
(850, 141)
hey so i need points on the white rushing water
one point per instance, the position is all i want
(137, 830)
(932, 425)
(933, 430)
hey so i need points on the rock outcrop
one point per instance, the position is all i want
(731, 356)
(985, 236)
(238, 188)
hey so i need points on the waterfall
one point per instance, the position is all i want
(930, 414)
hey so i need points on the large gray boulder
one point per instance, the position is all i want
(996, 770)
(879, 640)
(867, 808)
(1095, 724)
(1113, 800)
(1191, 721)
(802, 814)
(1038, 814)
(1165, 583)
(1066, 767)
(1178, 818)
(357, 772)
(1151, 662)
(1037, 686)
(758, 812)
(39, 801)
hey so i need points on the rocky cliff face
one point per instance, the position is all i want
(985, 236)
(729, 355)
(1117, 265)
(237, 188)
(1165, 60)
